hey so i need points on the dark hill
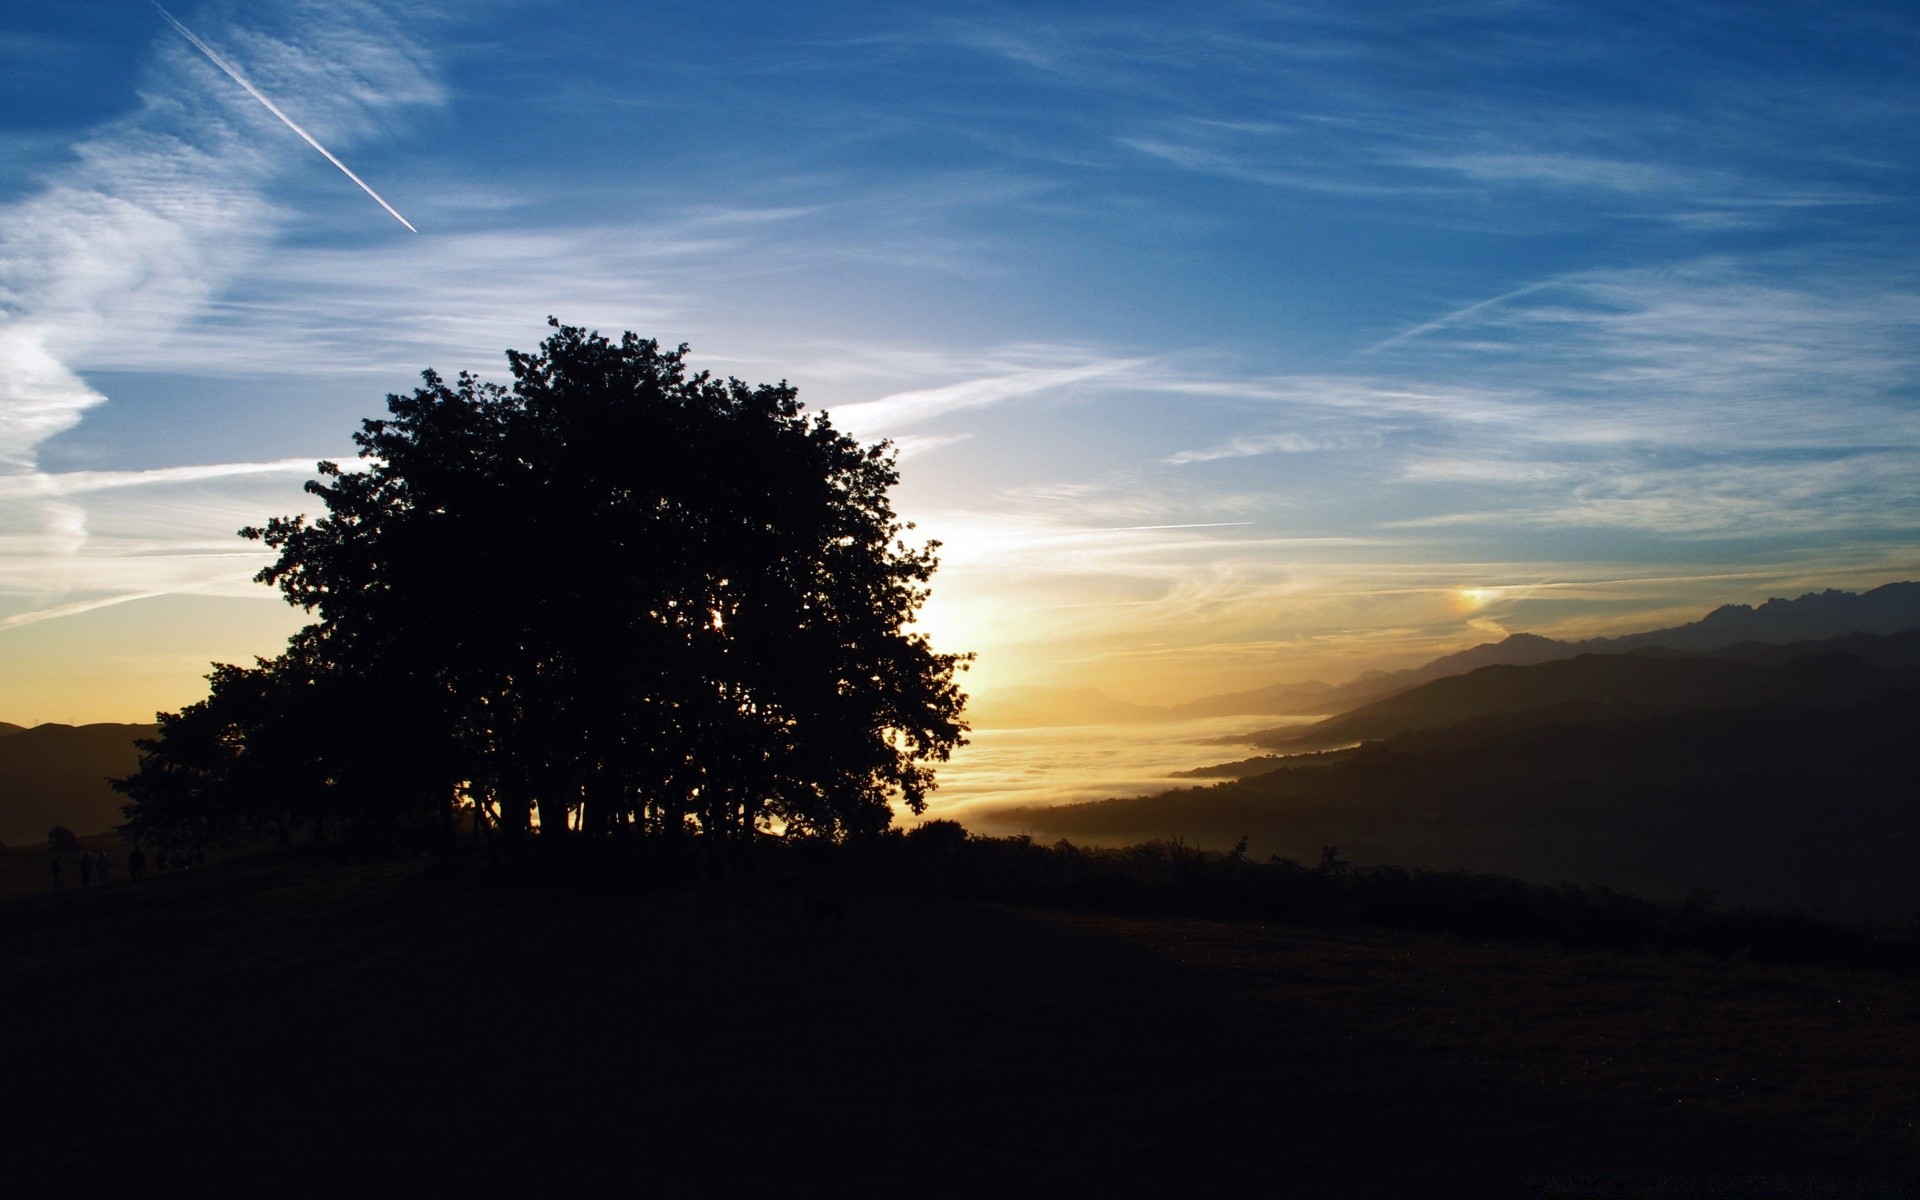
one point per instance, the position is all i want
(1515, 650)
(8, 727)
(1773, 805)
(1898, 651)
(1589, 679)
(1844, 670)
(57, 775)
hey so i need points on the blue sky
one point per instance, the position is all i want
(1254, 342)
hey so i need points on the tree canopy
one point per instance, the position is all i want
(615, 598)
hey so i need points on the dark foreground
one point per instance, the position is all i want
(291, 1028)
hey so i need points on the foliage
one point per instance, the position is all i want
(614, 598)
(295, 744)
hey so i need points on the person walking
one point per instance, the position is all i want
(136, 864)
(54, 866)
(100, 865)
(86, 869)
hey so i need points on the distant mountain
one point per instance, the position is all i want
(7, 727)
(1772, 805)
(1311, 696)
(1812, 617)
(1515, 650)
(57, 775)
(1850, 669)
(1590, 678)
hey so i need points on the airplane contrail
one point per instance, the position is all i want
(275, 110)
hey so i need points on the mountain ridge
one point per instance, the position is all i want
(1813, 616)
(57, 775)
(1847, 669)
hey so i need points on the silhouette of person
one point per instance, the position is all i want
(136, 864)
(101, 866)
(160, 861)
(54, 866)
(86, 869)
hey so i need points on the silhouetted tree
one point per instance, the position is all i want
(614, 598)
(294, 744)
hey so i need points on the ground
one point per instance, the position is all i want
(293, 1027)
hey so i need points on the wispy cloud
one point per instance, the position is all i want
(1270, 443)
(73, 483)
(15, 620)
(1493, 117)
(234, 74)
(876, 418)
(130, 243)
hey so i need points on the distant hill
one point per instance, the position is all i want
(1771, 805)
(1815, 616)
(1515, 650)
(1853, 668)
(7, 727)
(1309, 696)
(57, 775)
(1812, 617)
(1772, 770)
(1590, 678)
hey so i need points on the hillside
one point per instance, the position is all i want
(1773, 806)
(57, 775)
(357, 1024)
(1515, 650)
(1849, 669)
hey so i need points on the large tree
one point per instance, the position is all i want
(613, 597)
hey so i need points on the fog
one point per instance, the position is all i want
(1006, 768)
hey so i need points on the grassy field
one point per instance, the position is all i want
(296, 1028)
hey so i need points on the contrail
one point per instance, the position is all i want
(275, 110)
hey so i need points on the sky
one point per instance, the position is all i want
(1248, 343)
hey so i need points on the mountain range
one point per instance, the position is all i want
(1812, 617)
(57, 775)
(1852, 668)
(1772, 773)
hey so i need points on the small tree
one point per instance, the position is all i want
(613, 598)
